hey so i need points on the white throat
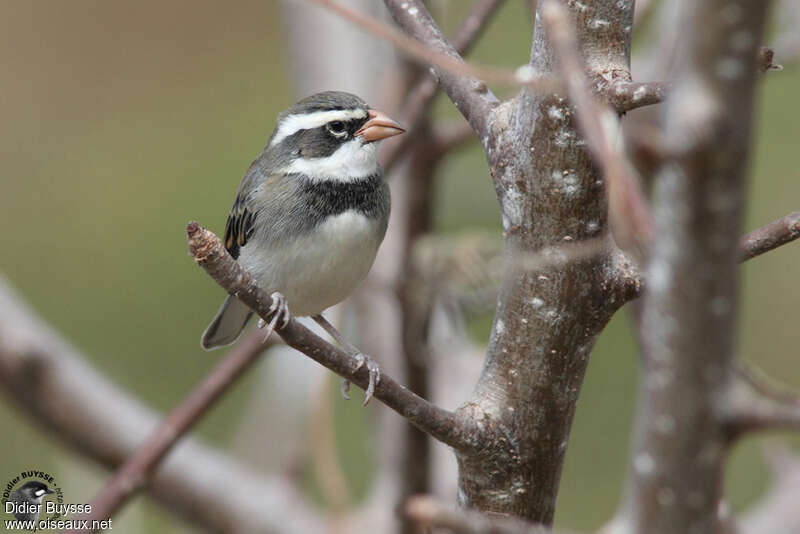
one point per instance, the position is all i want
(351, 161)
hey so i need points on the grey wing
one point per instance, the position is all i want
(240, 226)
(233, 315)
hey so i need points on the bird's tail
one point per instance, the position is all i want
(227, 324)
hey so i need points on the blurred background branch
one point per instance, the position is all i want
(137, 470)
(48, 379)
(689, 311)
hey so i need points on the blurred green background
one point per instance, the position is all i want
(123, 121)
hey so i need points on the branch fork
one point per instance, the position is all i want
(752, 403)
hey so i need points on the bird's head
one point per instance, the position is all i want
(34, 491)
(331, 135)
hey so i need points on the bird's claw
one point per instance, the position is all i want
(279, 309)
(374, 376)
(345, 389)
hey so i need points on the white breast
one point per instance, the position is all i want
(320, 268)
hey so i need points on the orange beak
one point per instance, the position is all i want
(379, 126)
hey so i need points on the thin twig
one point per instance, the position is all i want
(467, 89)
(625, 96)
(628, 208)
(443, 425)
(420, 52)
(770, 236)
(761, 240)
(137, 470)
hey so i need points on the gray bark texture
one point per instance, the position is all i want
(547, 320)
(34, 358)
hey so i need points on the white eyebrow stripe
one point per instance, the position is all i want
(306, 121)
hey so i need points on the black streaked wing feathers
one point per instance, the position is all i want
(239, 227)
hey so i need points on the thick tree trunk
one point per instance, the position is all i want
(547, 319)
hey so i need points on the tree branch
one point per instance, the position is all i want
(464, 87)
(752, 403)
(626, 96)
(443, 425)
(755, 243)
(453, 72)
(421, 96)
(138, 469)
(770, 236)
(47, 378)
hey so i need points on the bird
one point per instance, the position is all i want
(309, 216)
(27, 500)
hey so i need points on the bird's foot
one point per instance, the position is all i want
(360, 358)
(279, 309)
(374, 376)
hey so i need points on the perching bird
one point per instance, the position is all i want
(310, 214)
(28, 499)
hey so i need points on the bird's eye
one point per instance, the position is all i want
(337, 128)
